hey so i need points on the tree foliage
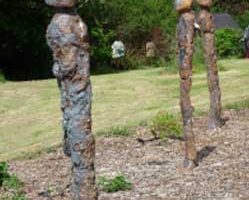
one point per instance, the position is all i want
(24, 53)
(23, 49)
(228, 43)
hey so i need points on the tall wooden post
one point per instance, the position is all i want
(185, 36)
(205, 20)
(68, 38)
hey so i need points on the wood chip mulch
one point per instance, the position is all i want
(155, 168)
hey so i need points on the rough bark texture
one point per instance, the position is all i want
(205, 20)
(185, 35)
(67, 37)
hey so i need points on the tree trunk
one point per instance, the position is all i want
(185, 36)
(67, 37)
(205, 20)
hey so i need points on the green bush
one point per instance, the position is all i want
(243, 19)
(101, 45)
(198, 58)
(166, 125)
(113, 185)
(198, 62)
(11, 184)
(228, 43)
(23, 50)
(13, 196)
(3, 172)
(134, 32)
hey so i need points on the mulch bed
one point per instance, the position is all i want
(155, 168)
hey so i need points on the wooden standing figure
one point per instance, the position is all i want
(185, 36)
(68, 38)
(206, 22)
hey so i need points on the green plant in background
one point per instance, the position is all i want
(228, 43)
(115, 184)
(243, 19)
(166, 125)
(101, 44)
(14, 196)
(11, 184)
(243, 104)
(198, 58)
(116, 131)
(2, 78)
(134, 32)
(22, 39)
(3, 172)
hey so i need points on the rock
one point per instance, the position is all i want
(61, 3)
(182, 5)
(205, 3)
(150, 49)
(118, 49)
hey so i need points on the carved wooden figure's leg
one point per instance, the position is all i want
(205, 20)
(67, 37)
(185, 36)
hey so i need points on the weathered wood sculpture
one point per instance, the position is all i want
(185, 36)
(205, 20)
(68, 38)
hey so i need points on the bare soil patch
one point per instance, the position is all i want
(155, 169)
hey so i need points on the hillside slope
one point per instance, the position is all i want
(30, 114)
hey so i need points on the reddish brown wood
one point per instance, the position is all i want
(205, 20)
(185, 35)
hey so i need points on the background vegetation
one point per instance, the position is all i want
(25, 55)
(30, 114)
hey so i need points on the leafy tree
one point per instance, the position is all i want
(23, 49)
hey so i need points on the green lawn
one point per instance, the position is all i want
(30, 114)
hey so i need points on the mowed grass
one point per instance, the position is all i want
(30, 114)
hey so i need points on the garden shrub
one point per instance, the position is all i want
(115, 184)
(228, 42)
(3, 172)
(101, 44)
(243, 19)
(134, 32)
(12, 186)
(198, 57)
(166, 125)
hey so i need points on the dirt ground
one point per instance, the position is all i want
(155, 169)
